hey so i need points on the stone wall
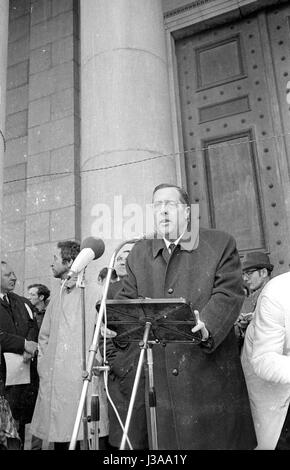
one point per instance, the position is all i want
(42, 185)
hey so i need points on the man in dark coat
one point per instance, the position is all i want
(18, 334)
(202, 400)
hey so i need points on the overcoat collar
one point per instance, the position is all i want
(188, 242)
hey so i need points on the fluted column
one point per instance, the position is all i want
(125, 109)
(4, 15)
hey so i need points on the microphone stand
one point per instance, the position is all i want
(81, 285)
(87, 375)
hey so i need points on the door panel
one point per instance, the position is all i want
(233, 199)
(218, 62)
(231, 152)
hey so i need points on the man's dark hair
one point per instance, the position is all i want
(182, 193)
(41, 290)
(69, 250)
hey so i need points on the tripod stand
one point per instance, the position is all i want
(87, 374)
(145, 346)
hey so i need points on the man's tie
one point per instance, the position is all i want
(171, 248)
(6, 300)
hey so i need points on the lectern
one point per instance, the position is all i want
(148, 322)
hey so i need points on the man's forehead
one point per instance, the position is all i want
(33, 290)
(57, 251)
(171, 194)
(6, 268)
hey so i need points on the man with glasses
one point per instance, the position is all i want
(257, 270)
(201, 396)
(266, 364)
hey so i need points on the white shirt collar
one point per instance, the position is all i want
(168, 243)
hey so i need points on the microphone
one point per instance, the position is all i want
(91, 249)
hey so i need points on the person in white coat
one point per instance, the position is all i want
(266, 362)
(60, 365)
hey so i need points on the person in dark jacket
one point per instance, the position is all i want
(257, 271)
(39, 296)
(202, 400)
(9, 437)
(18, 335)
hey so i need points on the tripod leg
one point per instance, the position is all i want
(135, 385)
(95, 413)
(85, 416)
(152, 399)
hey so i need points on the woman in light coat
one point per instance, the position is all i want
(266, 361)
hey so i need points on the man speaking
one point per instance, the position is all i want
(201, 396)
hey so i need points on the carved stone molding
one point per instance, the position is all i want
(186, 8)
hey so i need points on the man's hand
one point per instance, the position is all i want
(27, 356)
(200, 326)
(244, 319)
(30, 347)
(107, 332)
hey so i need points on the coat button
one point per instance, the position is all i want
(170, 290)
(175, 372)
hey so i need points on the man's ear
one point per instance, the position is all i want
(264, 272)
(41, 296)
(69, 263)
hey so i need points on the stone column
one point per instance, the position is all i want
(4, 15)
(125, 112)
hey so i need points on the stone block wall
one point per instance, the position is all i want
(41, 177)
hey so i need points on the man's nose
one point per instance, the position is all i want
(164, 208)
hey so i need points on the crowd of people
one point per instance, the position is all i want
(227, 388)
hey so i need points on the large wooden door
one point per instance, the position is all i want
(231, 151)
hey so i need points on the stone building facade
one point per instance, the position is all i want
(102, 100)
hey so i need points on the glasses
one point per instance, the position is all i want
(250, 272)
(157, 206)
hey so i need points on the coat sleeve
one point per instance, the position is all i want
(223, 307)
(11, 343)
(32, 333)
(44, 332)
(268, 359)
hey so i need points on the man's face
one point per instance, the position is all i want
(33, 296)
(170, 213)
(255, 278)
(59, 267)
(120, 266)
(8, 279)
